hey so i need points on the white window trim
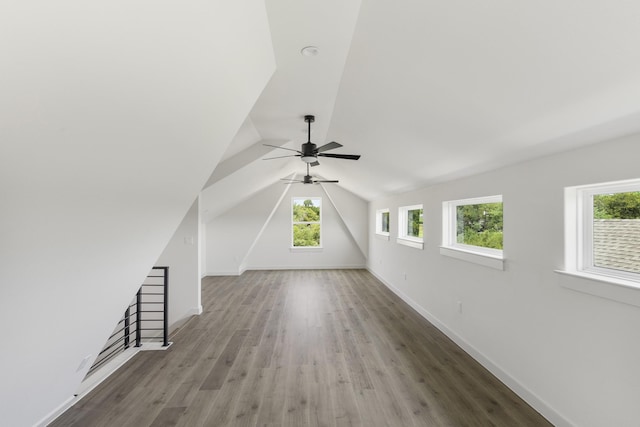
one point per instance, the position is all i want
(488, 257)
(603, 282)
(403, 238)
(305, 248)
(379, 232)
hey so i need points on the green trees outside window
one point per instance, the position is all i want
(617, 205)
(414, 223)
(306, 222)
(480, 225)
(616, 231)
(385, 222)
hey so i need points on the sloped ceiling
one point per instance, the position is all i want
(112, 116)
(428, 91)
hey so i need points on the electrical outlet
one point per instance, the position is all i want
(460, 307)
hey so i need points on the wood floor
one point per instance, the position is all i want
(303, 348)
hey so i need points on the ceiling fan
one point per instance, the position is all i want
(309, 152)
(308, 179)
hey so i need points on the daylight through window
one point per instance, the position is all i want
(411, 226)
(616, 231)
(382, 222)
(474, 225)
(479, 225)
(603, 230)
(306, 221)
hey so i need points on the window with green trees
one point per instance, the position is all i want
(602, 232)
(474, 225)
(479, 225)
(382, 222)
(306, 221)
(624, 205)
(411, 226)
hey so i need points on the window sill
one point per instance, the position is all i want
(305, 249)
(418, 244)
(491, 261)
(613, 288)
(382, 236)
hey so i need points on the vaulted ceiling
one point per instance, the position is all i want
(428, 91)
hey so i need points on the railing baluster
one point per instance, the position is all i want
(126, 328)
(166, 307)
(115, 346)
(138, 320)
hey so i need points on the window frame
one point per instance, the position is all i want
(403, 238)
(379, 214)
(489, 257)
(579, 251)
(293, 223)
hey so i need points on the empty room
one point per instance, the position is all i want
(336, 213)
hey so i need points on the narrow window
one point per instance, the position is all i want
(411, 226)
(306, 222)
(382, 222)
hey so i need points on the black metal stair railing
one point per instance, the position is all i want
(145, 319)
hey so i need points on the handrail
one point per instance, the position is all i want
(142, 319)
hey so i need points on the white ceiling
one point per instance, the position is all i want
(428, 91)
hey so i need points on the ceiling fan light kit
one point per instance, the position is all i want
(309, 152)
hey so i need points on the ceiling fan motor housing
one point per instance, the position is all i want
(309, 152)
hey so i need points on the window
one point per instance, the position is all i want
(472, 230)
(410, 226)
(306, 221)
(603, 231)
(382, 222)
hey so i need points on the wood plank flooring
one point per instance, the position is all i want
(303, 348)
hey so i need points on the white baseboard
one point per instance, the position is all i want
(97, 378)
(310, 267)
(56, 412)
(223, 273)
(287, 267)
(531, 398)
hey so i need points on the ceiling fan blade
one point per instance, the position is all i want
(316, 163)
(341, 156)
(330, 146)
(282, 157)
(282, 148)
(325, 181)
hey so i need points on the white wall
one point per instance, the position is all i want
(182, 258)
(230, 236)
(111, 121)
(572, 355)
(256, 234)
